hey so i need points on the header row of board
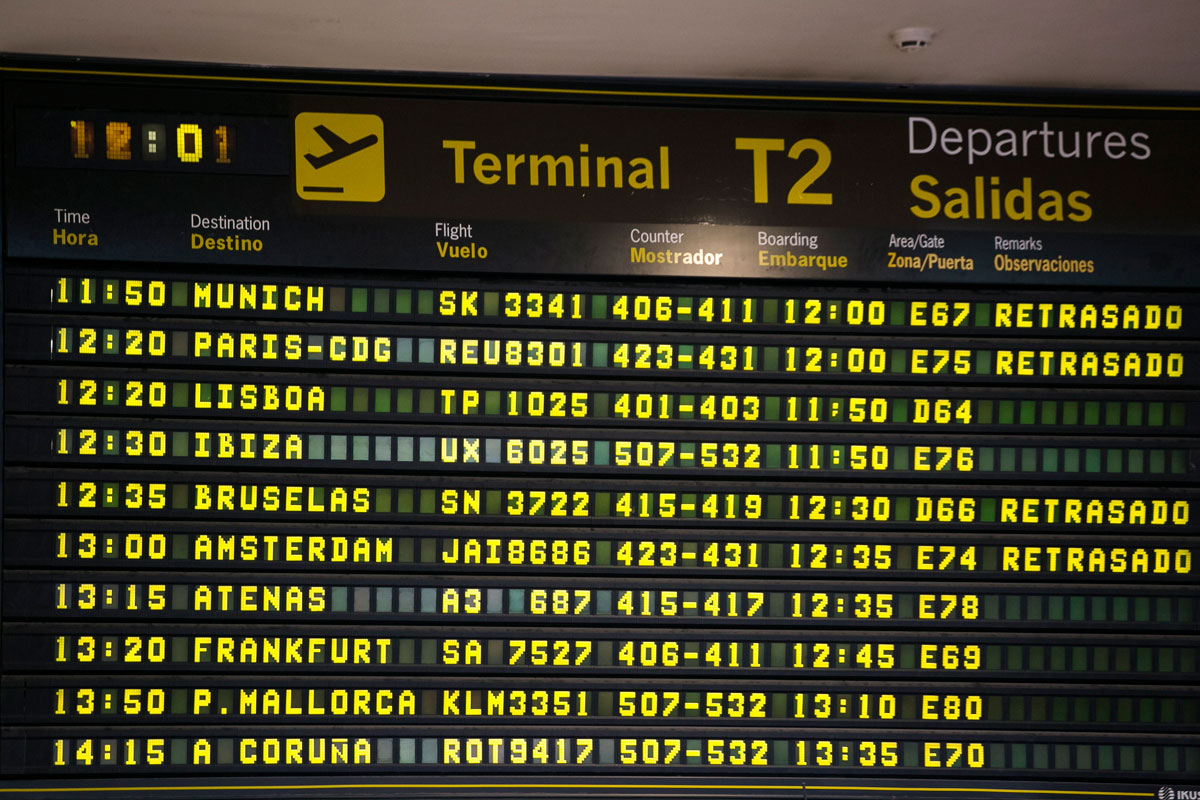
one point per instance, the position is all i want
(497, 179)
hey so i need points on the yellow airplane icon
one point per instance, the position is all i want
(339, 157)
(339, 148)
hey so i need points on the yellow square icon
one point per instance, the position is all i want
(339, 157)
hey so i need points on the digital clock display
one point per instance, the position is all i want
(185, 142)
(356, 448)
(140, 140)
(188, 145)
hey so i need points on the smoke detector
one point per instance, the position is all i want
(910, 40)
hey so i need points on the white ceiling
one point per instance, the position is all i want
(1093, 44)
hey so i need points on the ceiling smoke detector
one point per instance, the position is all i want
(910, 40)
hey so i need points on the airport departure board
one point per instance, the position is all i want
(373, 436)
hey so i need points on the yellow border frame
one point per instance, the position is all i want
(706, 787)
(545, 90)
(536, 90)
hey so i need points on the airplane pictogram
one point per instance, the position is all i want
(339, 148)
(339, 157)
